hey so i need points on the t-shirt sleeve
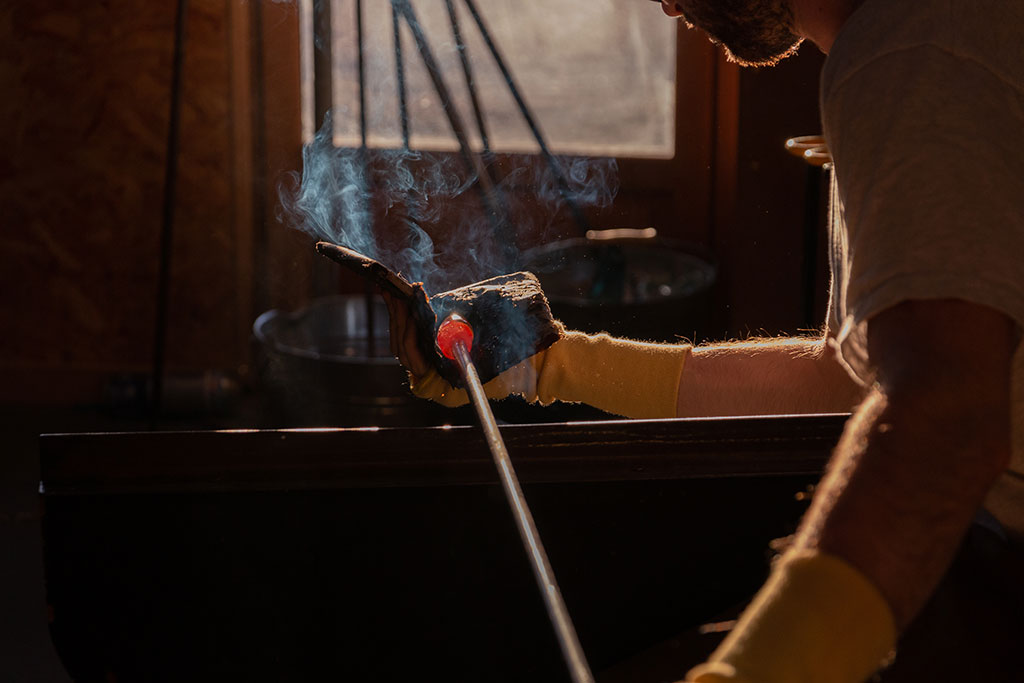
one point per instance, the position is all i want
(929, 155)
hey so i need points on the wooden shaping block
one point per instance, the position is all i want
(511, 321)
(509, 314)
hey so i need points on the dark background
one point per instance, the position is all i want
(84, 115)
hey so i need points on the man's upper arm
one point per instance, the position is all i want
(948, 359)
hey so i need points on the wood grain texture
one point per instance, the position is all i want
(86, 119)
(73, 464)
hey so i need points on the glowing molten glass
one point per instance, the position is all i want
(454, 330)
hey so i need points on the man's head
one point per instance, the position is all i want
(753, 32)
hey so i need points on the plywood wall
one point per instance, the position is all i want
(85, 127)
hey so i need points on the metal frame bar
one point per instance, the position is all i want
(524, 109)
(403, 105)
(461, 48)
(488, 192)
(163, 284)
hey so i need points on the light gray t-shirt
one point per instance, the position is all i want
(923, 110)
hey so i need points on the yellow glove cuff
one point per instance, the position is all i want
(635, 379)
(630, 378)
(817, 619)
(516, 380)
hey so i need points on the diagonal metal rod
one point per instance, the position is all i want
(478, 113)
(364, 158)
(563, 184)
(568, 641)
(447, 102)
(460, 47)
(361, 64)
(403, 106)
(163, 284)
(403, 110)
(473, 163)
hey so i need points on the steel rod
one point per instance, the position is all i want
(563, 184)
(163, 283)
(568, 641)
(443, 93)
(369, 292)
(403, 107)
(361, 65)
(486, 154)
(467, 70)
(487, 191)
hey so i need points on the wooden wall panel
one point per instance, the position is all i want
(81, 197)
(85, 121)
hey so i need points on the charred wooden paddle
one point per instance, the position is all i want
(375, 271)
(455, 340)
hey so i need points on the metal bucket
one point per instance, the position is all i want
(319, 368)
(629, 283)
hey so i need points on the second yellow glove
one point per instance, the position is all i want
(816, 620)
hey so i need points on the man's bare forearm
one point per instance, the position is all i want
(918, 457)
(898, 499)
(765, 377)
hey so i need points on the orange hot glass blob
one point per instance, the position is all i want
(454, 329)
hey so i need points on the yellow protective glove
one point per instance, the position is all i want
(816, 620)
(630, 378)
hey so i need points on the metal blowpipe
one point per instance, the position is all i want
(455, 339)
